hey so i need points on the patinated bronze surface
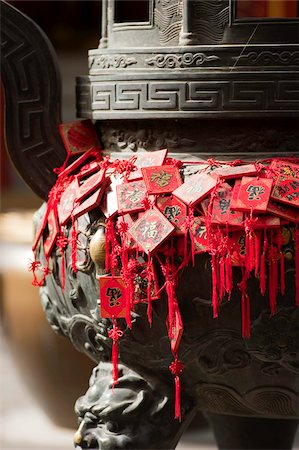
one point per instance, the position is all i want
(215, 102)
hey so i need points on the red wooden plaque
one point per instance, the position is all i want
(147, 159)
(221, 212)
(175, 211)
(237, 244)
(254, 194)
(285, 169)
(283, 211)
(90, 202)
(91, 184)
(79, 136)
(130, 196)
(235, 194)
(199, 232)
(151, 230)
(176, 332)
(195, 188)
(112, 297)
(53, 231)
(66, 202)
(161, 179)
(88, 169)
(109, 204)
(236, 171)
(286, 190)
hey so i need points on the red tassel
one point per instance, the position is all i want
(245, 306)
(228, 275)
(222, 278)
(273, 274)
(297, 265)
(263, 266)
(149, 292)
(282, 273)
(115, 334)
(176, 367)
(177, 408)
(74, 243)
(257, 253)
(62, 270)
(214, 287)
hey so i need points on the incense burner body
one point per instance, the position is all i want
(201, 94)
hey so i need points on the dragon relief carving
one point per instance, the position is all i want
(111, 62)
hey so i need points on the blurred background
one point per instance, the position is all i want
(41, 374)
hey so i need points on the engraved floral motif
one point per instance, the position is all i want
(189, 59)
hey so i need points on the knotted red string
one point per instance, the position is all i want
(273, 274)
(115, 334)
(176, 368)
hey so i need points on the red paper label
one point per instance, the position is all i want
(151, 230)
(199, 232)
(66, 202)
(175, 211)
(52, 232)
(266, 221)
(286, 191)
(195, 188)
(130, 196)
(90, 185)
(283, 211)
(112, 297)
(161, 179)
(236, 171)
(147, 159)
(79, 136)
(254, 194)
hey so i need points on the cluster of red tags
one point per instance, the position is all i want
(156, 215)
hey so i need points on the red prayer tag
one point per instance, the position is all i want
(90, 202)
(286, 190)
(52, 232)
(141, 283)
(147, 159)
(176, 332)
(254, 194)
(40, 229)
(90, 185)
(221, 212)
(195, 188)
(236, 171)
(130, 196)
(151, 230)
(161, 179)
(66, 202)
(175, 211)
(266, 221)
(283, 211)
(79, 136)
(237, 244)
(112, 297)
(199, 232)
(88, 169)
(285, 168)
(235, 194)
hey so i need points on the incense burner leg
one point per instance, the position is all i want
(135, 414)
(236, 432)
